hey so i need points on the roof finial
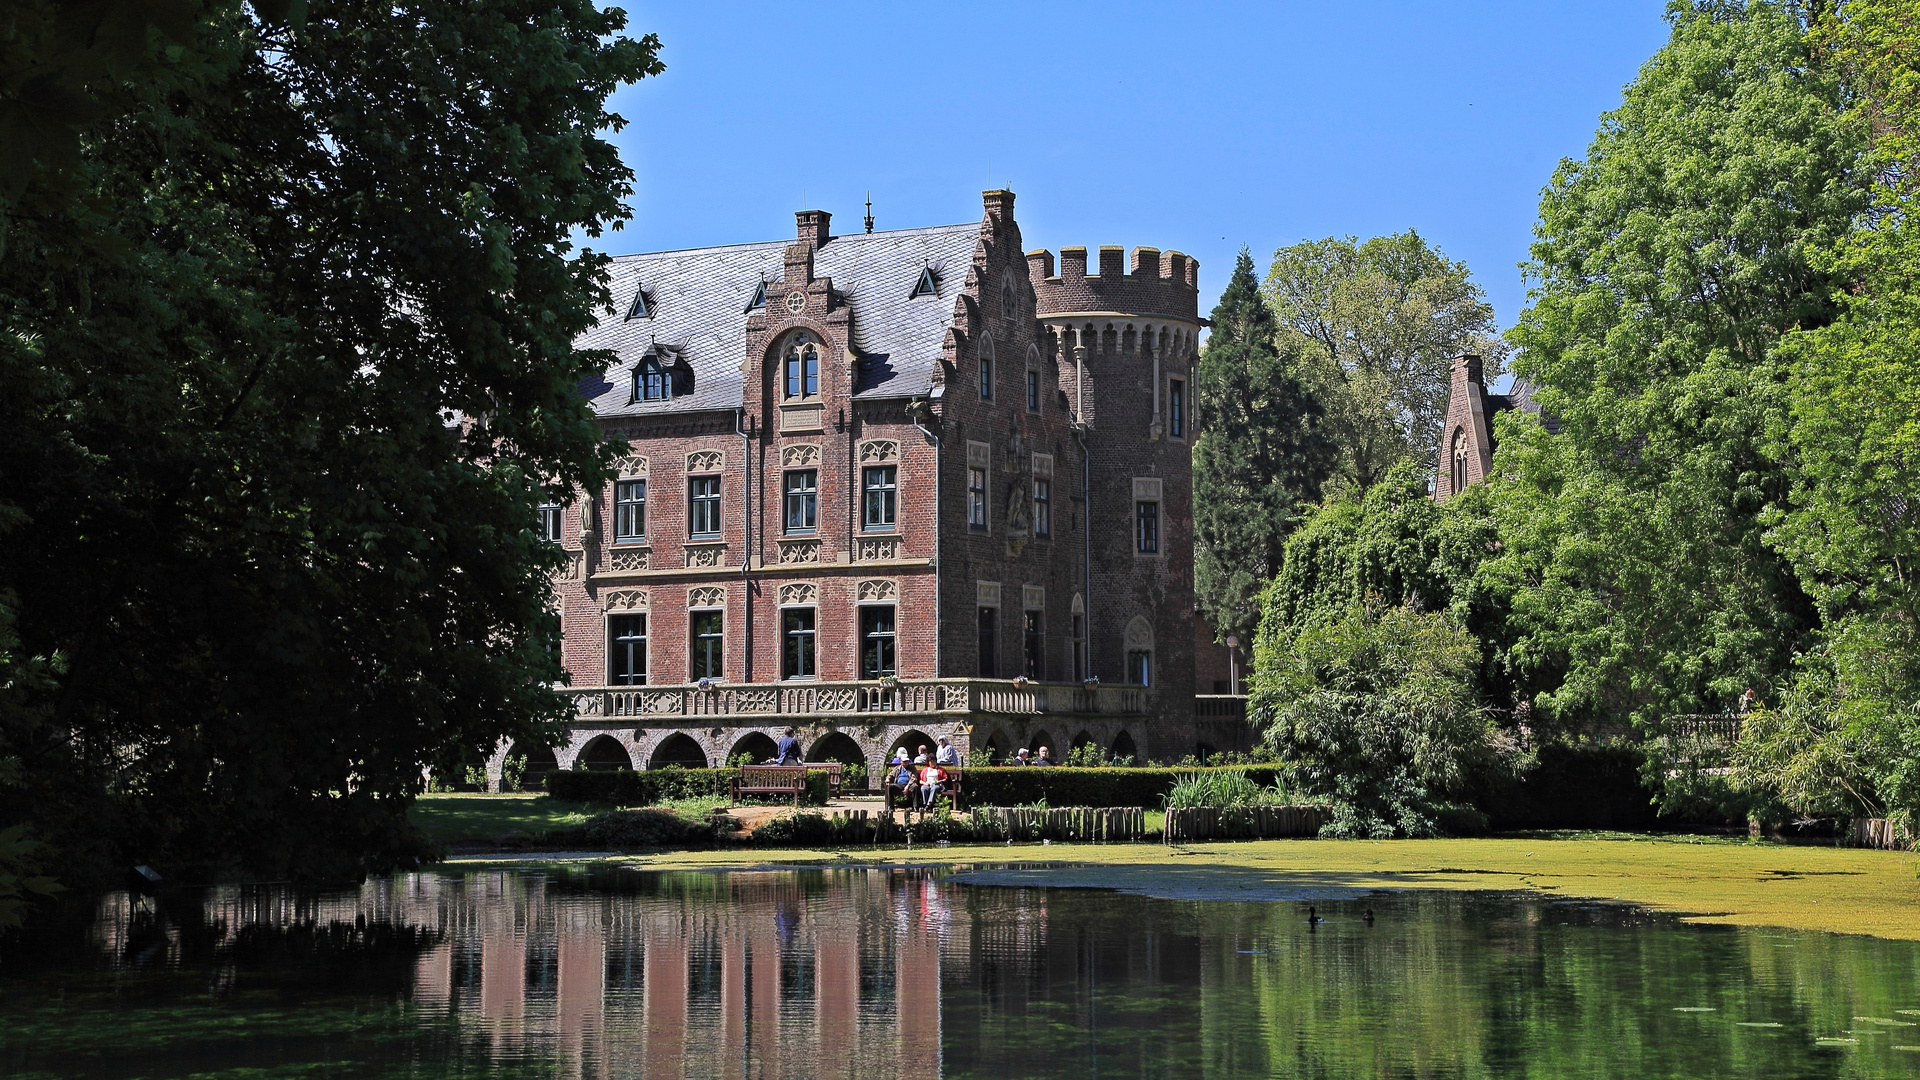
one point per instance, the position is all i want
(869, 211)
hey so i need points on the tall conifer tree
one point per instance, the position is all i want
(1262, 451)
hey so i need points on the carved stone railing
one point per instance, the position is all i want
(789, 700)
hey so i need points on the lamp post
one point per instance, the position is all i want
(1233, 664)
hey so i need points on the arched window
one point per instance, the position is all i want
(803, 366)
(1006, 299)
(1459, 477)
(1139, 640)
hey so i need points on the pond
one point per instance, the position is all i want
(958, 972)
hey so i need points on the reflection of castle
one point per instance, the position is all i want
(708, 976)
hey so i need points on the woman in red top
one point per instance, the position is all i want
(932, 777)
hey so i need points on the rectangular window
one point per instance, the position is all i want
(986, 378)
(709, 644)
(1140, 667)
(977, 498)
(629, 510)
(627, 650)
(881, 483)
(803, 500)
(550, 523)
(1079, 648)
(876, 642)
(797, 660)
(989, 642)
(1177, 409)
(703, 506)
(1036, 665)
(1146, 527)
(1042, 506)
(1033, 390)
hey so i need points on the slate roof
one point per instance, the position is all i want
(1520, 396)
(697, 300)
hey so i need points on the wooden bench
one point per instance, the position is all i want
(782, 780)
(951, 789)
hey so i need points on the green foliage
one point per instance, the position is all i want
(1064, 786)
(1667, 264)
(1395, 543)
(1842, 739)
(627, 787)
(1091, 755)
(289, 363)
(1223, 788)
(648, 828)
(513, 772)
(1379, 324)
(1261, 453)
(1374, 711)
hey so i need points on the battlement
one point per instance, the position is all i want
(1165, 284)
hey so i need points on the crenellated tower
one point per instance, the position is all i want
(1124, 343)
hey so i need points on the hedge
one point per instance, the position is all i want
(625, 787)
(1101, 787)
(1002, 786)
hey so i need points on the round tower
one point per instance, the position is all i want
(1125, 343)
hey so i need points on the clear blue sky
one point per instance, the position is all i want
(1196, 127)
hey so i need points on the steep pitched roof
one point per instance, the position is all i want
(697, 300)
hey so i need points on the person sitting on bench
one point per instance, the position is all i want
(788, 751)
(932, 779)
(903, 781)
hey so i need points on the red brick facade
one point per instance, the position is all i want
(1043, 403)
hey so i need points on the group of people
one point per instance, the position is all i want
(1041, 757)
(921, 780)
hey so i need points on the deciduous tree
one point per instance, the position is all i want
(289, 363)
(1382, 321)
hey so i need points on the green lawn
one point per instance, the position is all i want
(471, 818)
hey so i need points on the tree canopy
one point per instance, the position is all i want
(290, 364)
(1667, 265)
(1382, 321)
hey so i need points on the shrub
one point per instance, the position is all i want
(645, 828)
(1375, 709)
(626, 787)
(1223, 788)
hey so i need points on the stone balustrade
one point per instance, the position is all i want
(754, 702)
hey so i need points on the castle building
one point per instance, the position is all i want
(1467, 438)
(887, 487)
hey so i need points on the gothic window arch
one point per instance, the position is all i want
(1139, 642)
(1459, 462)
(800, 366)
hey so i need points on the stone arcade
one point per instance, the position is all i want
(888, 487)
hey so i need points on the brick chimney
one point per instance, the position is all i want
(814, 225)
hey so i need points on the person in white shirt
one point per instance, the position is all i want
(946, 755)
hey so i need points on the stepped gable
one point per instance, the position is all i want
(696, 317)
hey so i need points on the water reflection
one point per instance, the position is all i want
(906, 973)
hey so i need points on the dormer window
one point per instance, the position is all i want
(759, 300)
(802, 366)
(925, 286)
(651, 382)
(640, 308)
